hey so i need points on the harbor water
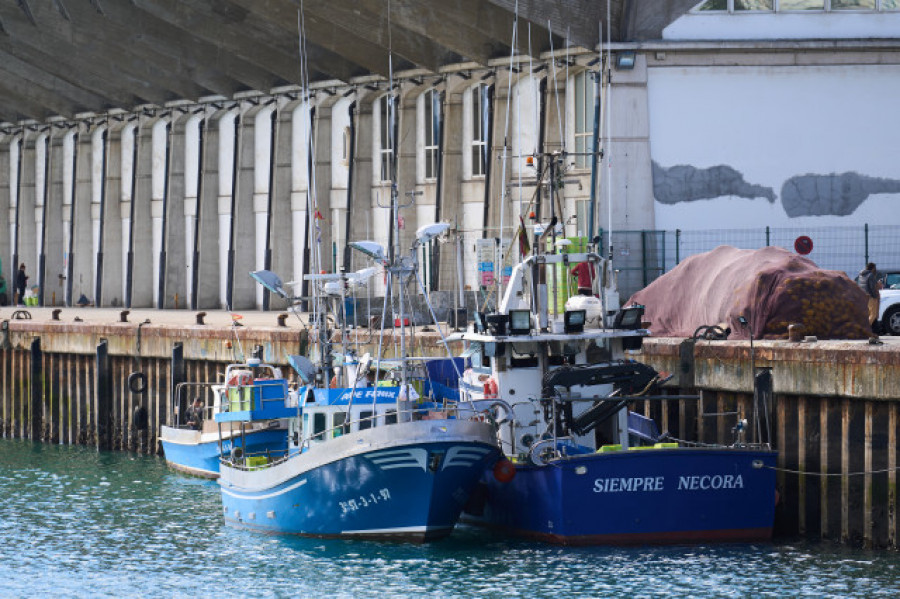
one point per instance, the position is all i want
(75, 522)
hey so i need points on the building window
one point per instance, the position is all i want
(582, 216)
(739, 6)
(584, 119)
(801, 5)
(345, 146)
(431, 107)
(384, 108)
(480, 119)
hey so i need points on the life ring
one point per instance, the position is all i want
(491, 389)
(137, 382)
(504, 470)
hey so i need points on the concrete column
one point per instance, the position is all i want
(13, 203)
(82, 254)
(40, 169)
(283, 240)
(97, 158)
(68, 153)
(340, 172)
(125, 199)
(380, 191)
(143, 291)
(262, 165)
(157, 195)
(300, 176)
(191, 187)
(5, 242)
(227, 134)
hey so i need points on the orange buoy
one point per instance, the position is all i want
(504, 470)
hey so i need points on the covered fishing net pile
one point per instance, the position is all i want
(772, 288)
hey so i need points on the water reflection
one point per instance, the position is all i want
(76, 522)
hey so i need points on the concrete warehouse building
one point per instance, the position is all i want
(153, 152)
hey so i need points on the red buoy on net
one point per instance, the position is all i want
(504, 471)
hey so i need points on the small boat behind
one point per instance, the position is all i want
(195, 445)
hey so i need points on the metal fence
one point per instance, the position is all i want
(642, 256)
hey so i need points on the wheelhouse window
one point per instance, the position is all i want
(337, 423)
(584, 119)
(479, 112)
(318, 425)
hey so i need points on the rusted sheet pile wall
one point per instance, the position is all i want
(68, 383)
(833, 416)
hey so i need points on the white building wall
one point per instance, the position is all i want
(770, 125)
(750, 25)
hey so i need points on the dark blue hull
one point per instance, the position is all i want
(635, 497)
(409, 490)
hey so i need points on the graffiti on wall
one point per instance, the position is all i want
(834, 194)
(685, 183)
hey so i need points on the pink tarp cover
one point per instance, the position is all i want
(772, 288)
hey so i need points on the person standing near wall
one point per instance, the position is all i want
(869, 282)
(21, 284)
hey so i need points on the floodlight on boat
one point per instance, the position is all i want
(574, 321)
(429, 232)
(361, 276)
(305, 368)
(270, 281)
(519, 322)
(629, 318)
(562, 243)
(372, 249)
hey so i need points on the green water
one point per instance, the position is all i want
(78, 523)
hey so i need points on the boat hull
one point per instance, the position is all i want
(405, 481)
(653, 496)
(196, 453)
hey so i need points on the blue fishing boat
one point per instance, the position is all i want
(195, 447)
(385, 454)
(579, 467)
(365, 468)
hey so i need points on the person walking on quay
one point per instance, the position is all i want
(21, 284)
(869, 282)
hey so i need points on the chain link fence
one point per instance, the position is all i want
(642, 256)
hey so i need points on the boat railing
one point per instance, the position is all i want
(639, 425)
(254, 461)
(182, 403)
(416, 413)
